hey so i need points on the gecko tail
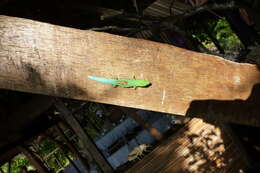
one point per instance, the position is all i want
(103, 80)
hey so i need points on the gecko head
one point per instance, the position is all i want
(144, 83)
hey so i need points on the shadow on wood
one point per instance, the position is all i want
(34, 79)
(230, 110)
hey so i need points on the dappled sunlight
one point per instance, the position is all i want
(198, 147)
(206, 152)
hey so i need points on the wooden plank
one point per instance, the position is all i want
(197, 147)
(47, 59)
(36, 162)
(72, 148)
(84, 138)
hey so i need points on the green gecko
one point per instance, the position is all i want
(126, 83)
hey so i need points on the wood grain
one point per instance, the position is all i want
(47, 59)
(198, 147)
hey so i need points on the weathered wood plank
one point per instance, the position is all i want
(85, 139)
(47, 59)
(197, 147)
(36, 162)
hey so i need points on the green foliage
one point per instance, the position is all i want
(205, 40)
(46, 147)
(16, 163)
(55, 158)
(225, 36)
(92, 132)
(94, 127)
(212, 30)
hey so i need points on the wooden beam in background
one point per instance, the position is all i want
(47, 59)
(88, 145)
(72, 148)
(33, 159)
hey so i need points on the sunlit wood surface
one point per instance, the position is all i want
(52, 60)
(198, 147)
